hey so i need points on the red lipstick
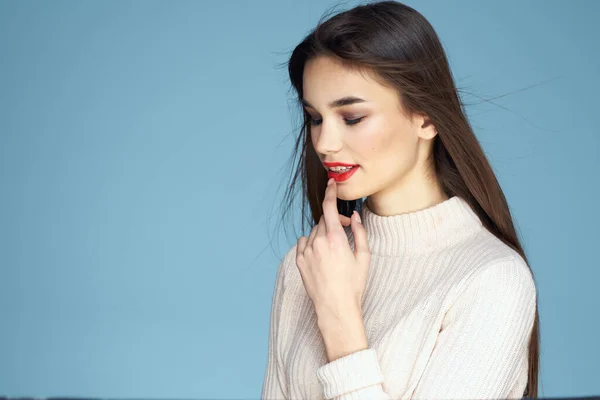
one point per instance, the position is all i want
(340, 176)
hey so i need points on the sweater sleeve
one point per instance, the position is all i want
(274, 386)
(479, 352)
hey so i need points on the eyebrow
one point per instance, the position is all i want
(344, 101)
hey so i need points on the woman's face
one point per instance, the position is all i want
(388, 147)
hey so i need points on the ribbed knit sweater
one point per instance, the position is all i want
(448, 310)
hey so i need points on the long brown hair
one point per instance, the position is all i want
(399, 47)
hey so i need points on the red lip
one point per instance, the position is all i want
(343, 176)
(338, 164)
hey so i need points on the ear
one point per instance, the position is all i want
(426, 128)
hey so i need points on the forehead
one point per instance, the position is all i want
(325, 79)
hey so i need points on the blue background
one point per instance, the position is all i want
(143, 154)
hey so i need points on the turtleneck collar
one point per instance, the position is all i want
(425, 230)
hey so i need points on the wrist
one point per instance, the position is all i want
(338, 315)
(339, 321)
(343, 336)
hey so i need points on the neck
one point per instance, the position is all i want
(411, 196)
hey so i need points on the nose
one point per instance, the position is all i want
(326, 139)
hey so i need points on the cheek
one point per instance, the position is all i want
(387, 150)
(370, 140)
(383, 140)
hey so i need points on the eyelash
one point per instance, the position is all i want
(348, 121)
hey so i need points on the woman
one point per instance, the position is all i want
(423, 290)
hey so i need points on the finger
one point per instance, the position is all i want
(301, 245)
(330, 210)
(345, 221)
(321, 229)
(361, 244)
(313, 233)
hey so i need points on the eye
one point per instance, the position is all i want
(353, 121)
(316, 122)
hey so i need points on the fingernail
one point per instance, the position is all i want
(330, 181)
(357, 216)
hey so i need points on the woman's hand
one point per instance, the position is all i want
(333, 275)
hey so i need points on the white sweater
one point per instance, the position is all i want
(448, 310)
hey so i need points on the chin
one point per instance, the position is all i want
(348, 195)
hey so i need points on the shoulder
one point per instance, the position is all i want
(484, 248)
(483, 254)
(510, 274)
(287, 266)
(495, 263)
(501, 292)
